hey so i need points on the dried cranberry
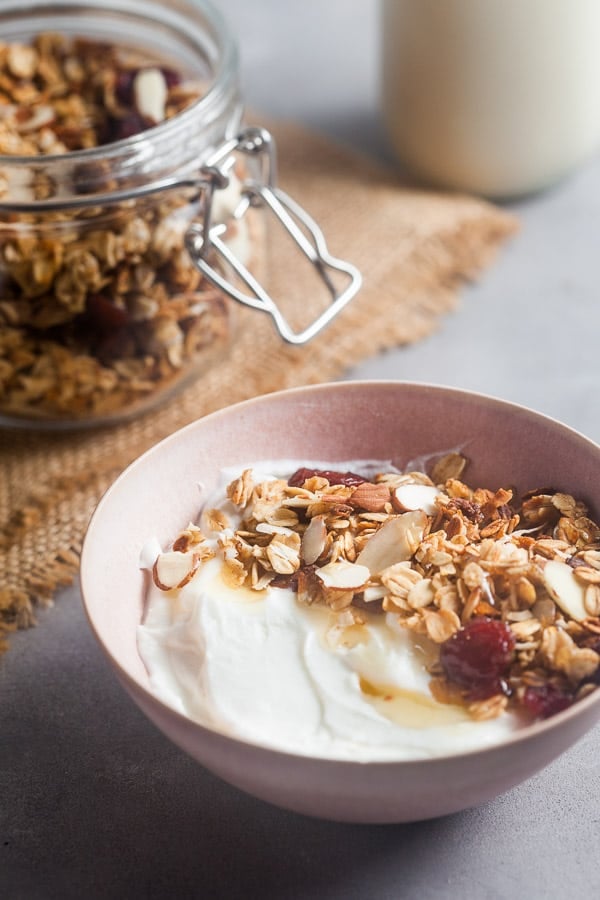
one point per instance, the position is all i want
(124, 86)
(129, 125)
(106, 315)
(468, 508)
(546, 700)
(478, 656)
(119, 345)
(347, 478)
(172, 78)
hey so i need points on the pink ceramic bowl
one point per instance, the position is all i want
(156, 496)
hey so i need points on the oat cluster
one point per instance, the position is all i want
(433, 552)
(100, 308)
(59, 94)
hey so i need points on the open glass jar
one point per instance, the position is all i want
(117, 226)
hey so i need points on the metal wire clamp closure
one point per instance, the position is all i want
(203, 237)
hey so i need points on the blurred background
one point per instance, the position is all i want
(314, 62)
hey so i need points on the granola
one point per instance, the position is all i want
(101, 309)
(505, 588)
(59, 94)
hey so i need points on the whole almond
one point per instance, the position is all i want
(370, 497)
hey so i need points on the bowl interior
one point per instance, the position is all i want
(159, 494)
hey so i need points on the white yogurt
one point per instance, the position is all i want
(262, 667)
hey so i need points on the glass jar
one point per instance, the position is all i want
(102, 312)
(112, 284)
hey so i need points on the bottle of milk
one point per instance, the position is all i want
(495, 97)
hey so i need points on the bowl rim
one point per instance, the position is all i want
(530, 731)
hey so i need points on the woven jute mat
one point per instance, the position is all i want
(414, 248)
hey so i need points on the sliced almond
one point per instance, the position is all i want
(313, 540)
(565, 589)
(343, 576)
(150, 92)
(268, 528)
(173, 569)
(39, 117)
(395, 542)
(411, 496)
(373, 593)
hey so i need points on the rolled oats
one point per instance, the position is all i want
(490, 708)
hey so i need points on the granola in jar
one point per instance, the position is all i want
(102, 312)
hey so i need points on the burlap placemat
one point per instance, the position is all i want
(414, 249)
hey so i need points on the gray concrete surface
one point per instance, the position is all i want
(95, 803)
